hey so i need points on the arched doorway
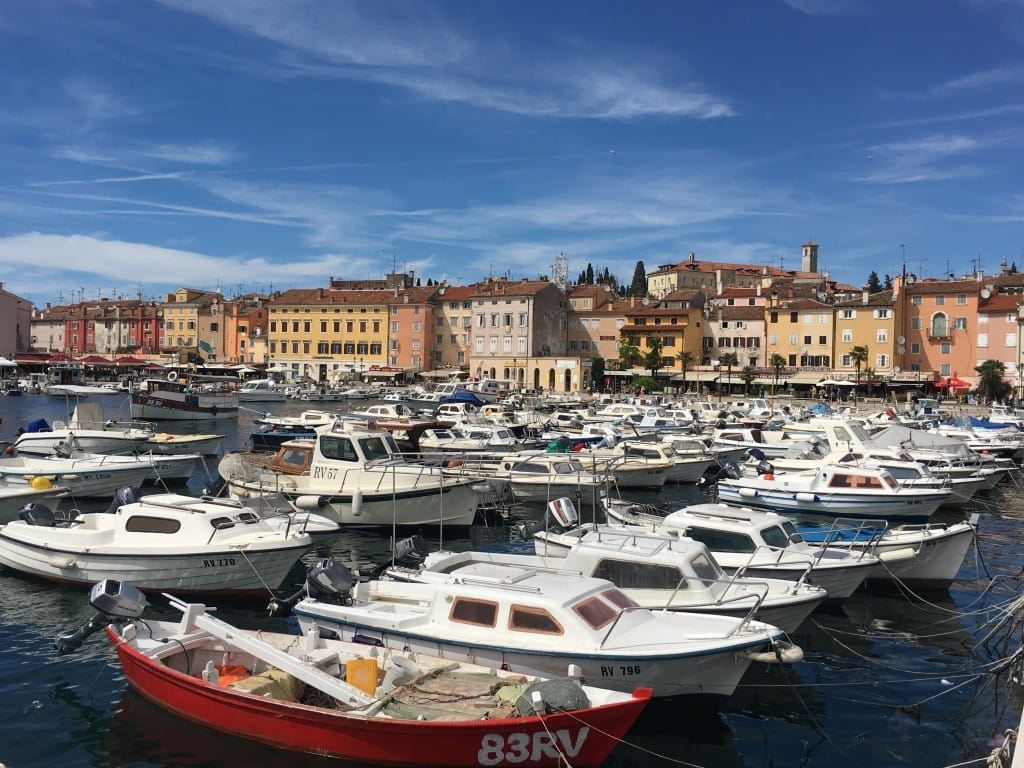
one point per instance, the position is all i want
(567, 380)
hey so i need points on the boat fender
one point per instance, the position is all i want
(807, 497)
(357, 502)
(782, 652)
(40, 483)
(172, 375)
(310, 502)
(747, 493)
(897, 555)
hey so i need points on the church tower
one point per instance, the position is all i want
(809, 260)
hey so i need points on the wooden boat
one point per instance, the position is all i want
(360, 703)
(174, 399)
(185, 544)
(357, 476)
(536, 622)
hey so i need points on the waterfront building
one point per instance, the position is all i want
(453, 325)
(15, 323)
(872, 321)
(942, 327)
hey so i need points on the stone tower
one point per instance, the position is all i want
(809, 260)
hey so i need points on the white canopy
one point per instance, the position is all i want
(5, 363)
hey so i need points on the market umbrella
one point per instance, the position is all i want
(5, 363)
(955, 382)
(828, 382)
(846, 383)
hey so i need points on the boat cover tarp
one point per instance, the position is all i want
(464, 396)
(38, 425)
(896, 436)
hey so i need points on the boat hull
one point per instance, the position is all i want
(154, 407)
(704, 677)
(919, 507)
(213, 570)
(47, 443)
(586, 738)
(83, 482)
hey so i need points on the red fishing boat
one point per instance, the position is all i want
(353, 701)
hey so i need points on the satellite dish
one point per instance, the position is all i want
(900, 350)
(985, 293)
(900, 340)
(896, 369)
(911, 279)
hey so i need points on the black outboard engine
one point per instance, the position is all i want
(114, 600)
(327, 580)
(35, 513)
(729, 470)
(126, 494)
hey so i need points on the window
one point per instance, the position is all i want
(945, 369)
(725, 323)
(961, 298)
(882, 314)
(881, 360)
(982, 340)
(596, 612)
(982, 318)
(847, 335)
(522, 320)
(915, 323)
(915, 300)
(847, 314)
(945, 347)
(794, 317)
(940, 300)
(822, 340)
(1011, 317)
(808, 319)
(792, 339)
(845, 361)
(1011, 339)
(959, 323)
(939, 325)
(882, 335)
(480, 612)
(772, 339)
(807, 339)
(773, 317)
(523, 618)
(915, 347)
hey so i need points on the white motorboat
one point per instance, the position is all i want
(834, 490)
(655, 570)
(530, 621)
(535, 476)
(469, 437)
(86, 431)
(938, 548)
(357, 476)
(771, 443)
(84, 476)
(761, 543)
(261, 391)
(188, 545)
(164, 468)
(685, 468)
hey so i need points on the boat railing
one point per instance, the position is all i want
(867, 534)
(724, 599)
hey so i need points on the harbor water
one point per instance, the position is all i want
(889, 678)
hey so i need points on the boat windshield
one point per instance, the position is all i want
(793, 533)
(707, 570)
(374, 448)
(775, 536)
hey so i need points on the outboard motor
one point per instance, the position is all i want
(114, 600)
(409, 552)
(561, 515)
(327, 580)
(764, 468)
(126, 494)
(729, 470)
(35, 513)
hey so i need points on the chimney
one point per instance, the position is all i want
(693, 257)
(865, 294)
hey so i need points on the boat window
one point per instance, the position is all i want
(147, 524)
(374, 448)
(842, 434)
(596, 612)
(840, 480)
(338, 448)
(775, 536)
(903, 473)
(634, 575)
(619, 599)
(293, 457)
(793, 533)
(890, 481)
(526, 466)
(481, 612)
(522, 618)
(722, 541)
(868, 482)
(707, 570)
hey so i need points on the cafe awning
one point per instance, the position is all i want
(697, 376)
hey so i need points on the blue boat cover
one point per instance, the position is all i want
(38, 425)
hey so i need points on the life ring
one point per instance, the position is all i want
(172, 375)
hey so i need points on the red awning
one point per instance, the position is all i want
(129, 360)
(954, 383)
(94, 360)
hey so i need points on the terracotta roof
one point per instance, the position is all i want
(930, 286)
(681, 295)
(806, 304)
(456, 292)
(739, 313)
(880, 299)
(321, 296)
(504, 287)
(1000, 302)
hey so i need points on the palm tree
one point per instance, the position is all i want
(748, 374)
(777, 363)
(652, 359)
(859, 355)
(729, 359)
(686, 358)
(991, 384)
(869, 380)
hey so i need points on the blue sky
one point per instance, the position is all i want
(265, 144)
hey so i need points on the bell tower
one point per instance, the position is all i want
(809, 257)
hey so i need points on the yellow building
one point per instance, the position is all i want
(327, 335)
(192, 320)
(801, 331)
(871, 320)
(679, 329)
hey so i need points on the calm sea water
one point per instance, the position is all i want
(889, 679)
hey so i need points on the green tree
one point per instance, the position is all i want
(652, 359)
(874, 284)
(748, 374)
(590, 274)
(638, 287)
(992, 384)
(629, 353)
(729, 359)
(859, 355)
(869, 380)
(887, 283)
(686, 360)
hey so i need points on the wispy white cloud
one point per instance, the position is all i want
(408, 47)
(938, 157)
(825, 7)
(984, 80)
